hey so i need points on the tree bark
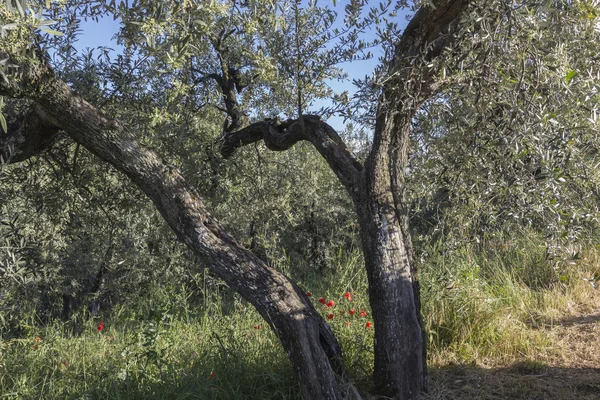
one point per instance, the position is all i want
(377, 189)
(400, 370)
(306, 337)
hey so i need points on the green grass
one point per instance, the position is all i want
(480, 307)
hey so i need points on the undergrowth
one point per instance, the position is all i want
(483, 306)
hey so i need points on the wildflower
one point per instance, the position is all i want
(322, 300)
(101, 326)
(330, 316)
(308, 294)
(363, 313)
(35, 347)
(348, 296)
(256, 326)
(351, 312)
(368, 325)
(212, 376)
(348, 323)
(38, 339)
(330, 303)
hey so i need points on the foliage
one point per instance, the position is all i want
(508, 146)
(510, 143)
(165, 346)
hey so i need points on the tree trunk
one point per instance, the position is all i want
(400, 367)
(400, 370)
(311, 346)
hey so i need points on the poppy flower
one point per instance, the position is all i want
(363, 313)
(38, 339)
(35, 347)
(101, 326)
(212, 376)
(330, 303)
(351, 312)
(256, 326)
(368, 325)
(330, 316)
(322, 300)
(308, 294)
(348, 296)
(348, 323)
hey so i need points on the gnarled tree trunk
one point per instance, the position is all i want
(305, 336)
(377, 189)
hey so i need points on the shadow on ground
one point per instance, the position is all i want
(580, 320)
(526, 381)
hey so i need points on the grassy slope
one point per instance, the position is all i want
(502, 324)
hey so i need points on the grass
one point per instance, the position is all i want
(502, 323)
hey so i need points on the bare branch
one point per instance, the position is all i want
(280, 136)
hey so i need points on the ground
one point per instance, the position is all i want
(571, 373)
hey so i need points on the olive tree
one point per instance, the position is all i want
(413, 73)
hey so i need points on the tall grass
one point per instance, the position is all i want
(481, 305)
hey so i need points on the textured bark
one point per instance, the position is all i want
(306, 337)
(280, 136)
(400, 370)
(378, 192)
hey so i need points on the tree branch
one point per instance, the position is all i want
(306, 337)
(280, 136)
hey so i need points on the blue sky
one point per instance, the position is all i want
(95, 34)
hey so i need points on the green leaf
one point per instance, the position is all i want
(3, 123)
(572, 74)
(51, 31)
(46, 22)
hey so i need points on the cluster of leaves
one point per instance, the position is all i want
(511, 142)
(99, 241)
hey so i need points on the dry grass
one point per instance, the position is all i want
(561, 362)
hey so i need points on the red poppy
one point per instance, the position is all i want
(330, 303)
(368, 325)
(308, 294)
(351, 312)
(348, 296)
(101, 327)
(37, 339)
(35, 347)
(212, 376)
(363, 313)
(330, 316)
(348, 323)
(256, 326)
(322, 300)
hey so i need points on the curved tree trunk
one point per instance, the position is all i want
(377, 190)
(306, 337)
